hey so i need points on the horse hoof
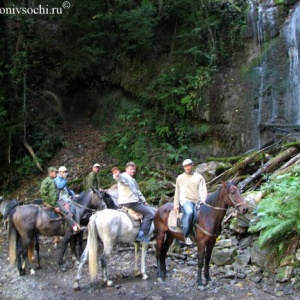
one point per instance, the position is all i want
(76, 286)
(145, 276)
(201, 288)
(32, 272)
(55, 246)
(22, 272)
(160, 280)
(137, 274)
(109, 283)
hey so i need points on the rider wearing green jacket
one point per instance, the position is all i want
(92, 179)
(48, 190)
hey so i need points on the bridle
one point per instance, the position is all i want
(102, 205)
(236, 205)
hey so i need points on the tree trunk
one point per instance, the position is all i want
(269, 166)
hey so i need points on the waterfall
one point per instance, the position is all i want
(292, 35)
(263, 18)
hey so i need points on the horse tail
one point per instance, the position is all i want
(92, 242)
(12, 241)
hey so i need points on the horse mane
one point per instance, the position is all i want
(211, 200)
(81, 196)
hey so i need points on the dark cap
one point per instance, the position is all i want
(52, 169)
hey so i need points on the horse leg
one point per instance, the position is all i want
(104, 260)
(22, 269)
(209, 248)
(163, 243)
(166, 245)
(83, 259)
(143, 264)
(201, 249)
(136, 258)
(80, 242)
(37, 250)
(26, 243)
(67, 237)
(74, 255)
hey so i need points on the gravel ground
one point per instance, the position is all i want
(53, 282)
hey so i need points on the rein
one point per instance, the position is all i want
(217, 208)
(82, 206)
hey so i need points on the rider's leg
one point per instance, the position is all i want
(68, 217)
(148, 215)
(188, 211)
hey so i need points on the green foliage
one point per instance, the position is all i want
(25, 165)
(278, 214)
(174, 154)
(163, 53)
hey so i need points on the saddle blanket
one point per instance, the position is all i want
(172, 221)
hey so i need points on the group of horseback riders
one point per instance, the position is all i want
(190, 190)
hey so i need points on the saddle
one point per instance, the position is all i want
(50, 212)
(134, 216)
(175, 223)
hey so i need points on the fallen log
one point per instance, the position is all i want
(252, 158)
(269, 166)
(288, 165)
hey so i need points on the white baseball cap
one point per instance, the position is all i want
(187, 162)
(62, 169)
(96, 165)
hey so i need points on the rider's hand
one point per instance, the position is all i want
(115, 171)
(56, 209)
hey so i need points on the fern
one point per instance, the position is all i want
(278, 214)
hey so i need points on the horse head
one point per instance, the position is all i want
(98, 201)
(234, 197)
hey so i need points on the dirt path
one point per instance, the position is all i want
(52, 283)
(83, 146)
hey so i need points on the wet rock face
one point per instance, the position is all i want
(259, 95)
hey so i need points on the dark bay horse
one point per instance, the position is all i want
(206, 228)
(28, 221)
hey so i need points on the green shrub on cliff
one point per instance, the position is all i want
(278, 214)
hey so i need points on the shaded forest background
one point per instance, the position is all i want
(140, 71)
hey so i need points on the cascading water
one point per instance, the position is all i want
(292, 35)
(263, 16)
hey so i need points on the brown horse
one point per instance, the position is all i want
(206, 229)
(28, 221)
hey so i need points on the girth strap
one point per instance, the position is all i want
(205, 231)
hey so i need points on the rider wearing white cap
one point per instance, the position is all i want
(64, 196)
(190, 189)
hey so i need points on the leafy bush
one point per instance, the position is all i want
(278, 214)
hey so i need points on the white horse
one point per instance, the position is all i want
(112, 226)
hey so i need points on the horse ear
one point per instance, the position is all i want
(93, 189)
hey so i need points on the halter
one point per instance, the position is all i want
(219, 208)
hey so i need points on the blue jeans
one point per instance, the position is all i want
(187, 218)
